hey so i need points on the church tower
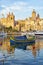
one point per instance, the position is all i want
(11, 19)
(33, 14)
(38, 18)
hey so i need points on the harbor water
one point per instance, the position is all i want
(21, 54)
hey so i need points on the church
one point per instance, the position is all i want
(8, 21)
(31, 23)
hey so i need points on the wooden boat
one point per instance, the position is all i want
(22, 40)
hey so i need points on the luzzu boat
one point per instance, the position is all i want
(22, 40)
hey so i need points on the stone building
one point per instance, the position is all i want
(32, 23)
(8, 21)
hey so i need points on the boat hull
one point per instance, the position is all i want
(12, 42)
(22, 40)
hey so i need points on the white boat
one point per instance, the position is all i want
(27, 33)
(39, 33)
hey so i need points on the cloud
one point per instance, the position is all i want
(3, 6)
(20, 3)
(35, 7)
(18, 6)
(15, 7)
(4, 12)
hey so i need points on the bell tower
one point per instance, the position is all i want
(11, 19)
(33, 14)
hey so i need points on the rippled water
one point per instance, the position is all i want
(17, 55)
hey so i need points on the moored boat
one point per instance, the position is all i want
(39, 33)
(22, 40)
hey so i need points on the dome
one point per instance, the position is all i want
(38, 15)
(33, 11)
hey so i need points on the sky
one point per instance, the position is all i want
(21, 8)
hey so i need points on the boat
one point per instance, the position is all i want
(33, 33)
(22, 40)
(39, 34)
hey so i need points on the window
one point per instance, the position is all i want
(11, 18)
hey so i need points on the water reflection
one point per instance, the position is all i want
(31, 51)
(35, 48)
(10, 49)
(5, 45)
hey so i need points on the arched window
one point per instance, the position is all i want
(11, 18)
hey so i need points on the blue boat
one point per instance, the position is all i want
(22, 40)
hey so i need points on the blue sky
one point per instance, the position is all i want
(21, 8)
